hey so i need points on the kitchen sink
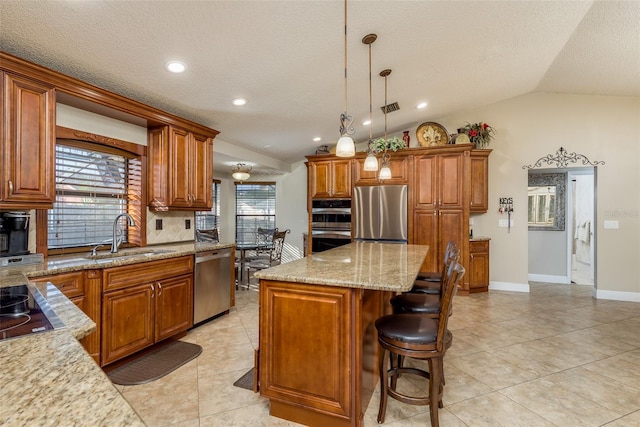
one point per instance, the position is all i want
(128, 254)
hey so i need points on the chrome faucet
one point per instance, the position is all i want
(115, 242)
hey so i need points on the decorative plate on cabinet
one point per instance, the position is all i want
(431, 134)
(460, 138)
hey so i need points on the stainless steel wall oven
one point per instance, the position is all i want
(330, 224)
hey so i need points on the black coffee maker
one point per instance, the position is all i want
(14, 233)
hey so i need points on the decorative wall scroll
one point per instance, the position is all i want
(561, 159)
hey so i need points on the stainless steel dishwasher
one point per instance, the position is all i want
(212, 287)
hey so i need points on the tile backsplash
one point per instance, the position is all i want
(173, 227)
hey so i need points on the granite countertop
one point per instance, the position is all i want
(77, 262)
(377, 266)
(48, 378)
(479, 238)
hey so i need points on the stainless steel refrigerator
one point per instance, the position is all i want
(380, 213)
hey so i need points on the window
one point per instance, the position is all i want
(94, 183)
(541, 206)
(255, 207)
(208, 220)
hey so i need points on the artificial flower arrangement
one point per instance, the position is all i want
(479, 133)
(392, 144)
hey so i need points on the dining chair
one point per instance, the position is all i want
(275, 254)
(416, 336)
(264, 242)
(207, 235)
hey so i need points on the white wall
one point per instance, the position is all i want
(75, 118)
(548, 256)
(603, 128)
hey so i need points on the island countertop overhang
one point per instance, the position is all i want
(375, 266)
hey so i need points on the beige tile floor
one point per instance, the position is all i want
(553, 357)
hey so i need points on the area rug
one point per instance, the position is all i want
(246, 381)
(155, 364)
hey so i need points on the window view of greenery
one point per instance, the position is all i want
(92, 188)
(255, 208)
(541, 205)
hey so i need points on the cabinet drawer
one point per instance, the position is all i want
(135, 274)
(478, 246)
(70, 284)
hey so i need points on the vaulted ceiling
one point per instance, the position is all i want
(287, 58)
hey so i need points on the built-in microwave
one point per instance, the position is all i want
(331, 223)
(331, 215)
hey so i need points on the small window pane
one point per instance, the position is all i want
(255, 208)
(92, 188)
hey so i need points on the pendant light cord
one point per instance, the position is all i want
(370, 100)
(385, 73)
(345, 57)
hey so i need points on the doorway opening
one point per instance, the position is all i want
(562, 225)
(581, 261)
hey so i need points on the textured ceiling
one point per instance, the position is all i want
(286, 58)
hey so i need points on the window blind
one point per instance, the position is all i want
(92, 188)
(255, 207)
(208, 220)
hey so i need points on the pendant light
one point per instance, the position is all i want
(345, 147)
(371, 162)
(240, 172)
(385, 170)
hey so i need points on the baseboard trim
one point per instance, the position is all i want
(507, 286)
(562, 280)
(617, 295)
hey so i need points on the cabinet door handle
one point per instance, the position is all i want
(159, 288)
(10, 187)
(153, 291)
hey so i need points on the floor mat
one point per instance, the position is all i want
(246, 381)
(155, 364)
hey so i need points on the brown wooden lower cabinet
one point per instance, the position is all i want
(83, 288)
(478, 265)
(139, 313)
(318, 360)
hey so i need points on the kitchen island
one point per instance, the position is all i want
(318, 356)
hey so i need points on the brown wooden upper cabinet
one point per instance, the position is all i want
(480, 180)
(330, 179)
(28, 143)
(439, 181)
(399, 172)
(180, 170)
(440, 204)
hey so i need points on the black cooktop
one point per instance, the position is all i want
(24, 311)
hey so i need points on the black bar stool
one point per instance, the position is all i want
(419, 337)
(429, 283)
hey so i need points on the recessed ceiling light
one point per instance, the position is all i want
(176, 66)
(239, 101)
(366, 123)
(316, 139)
(421, 105)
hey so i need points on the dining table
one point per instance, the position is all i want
(243, 247)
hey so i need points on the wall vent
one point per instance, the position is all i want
(390, 108)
